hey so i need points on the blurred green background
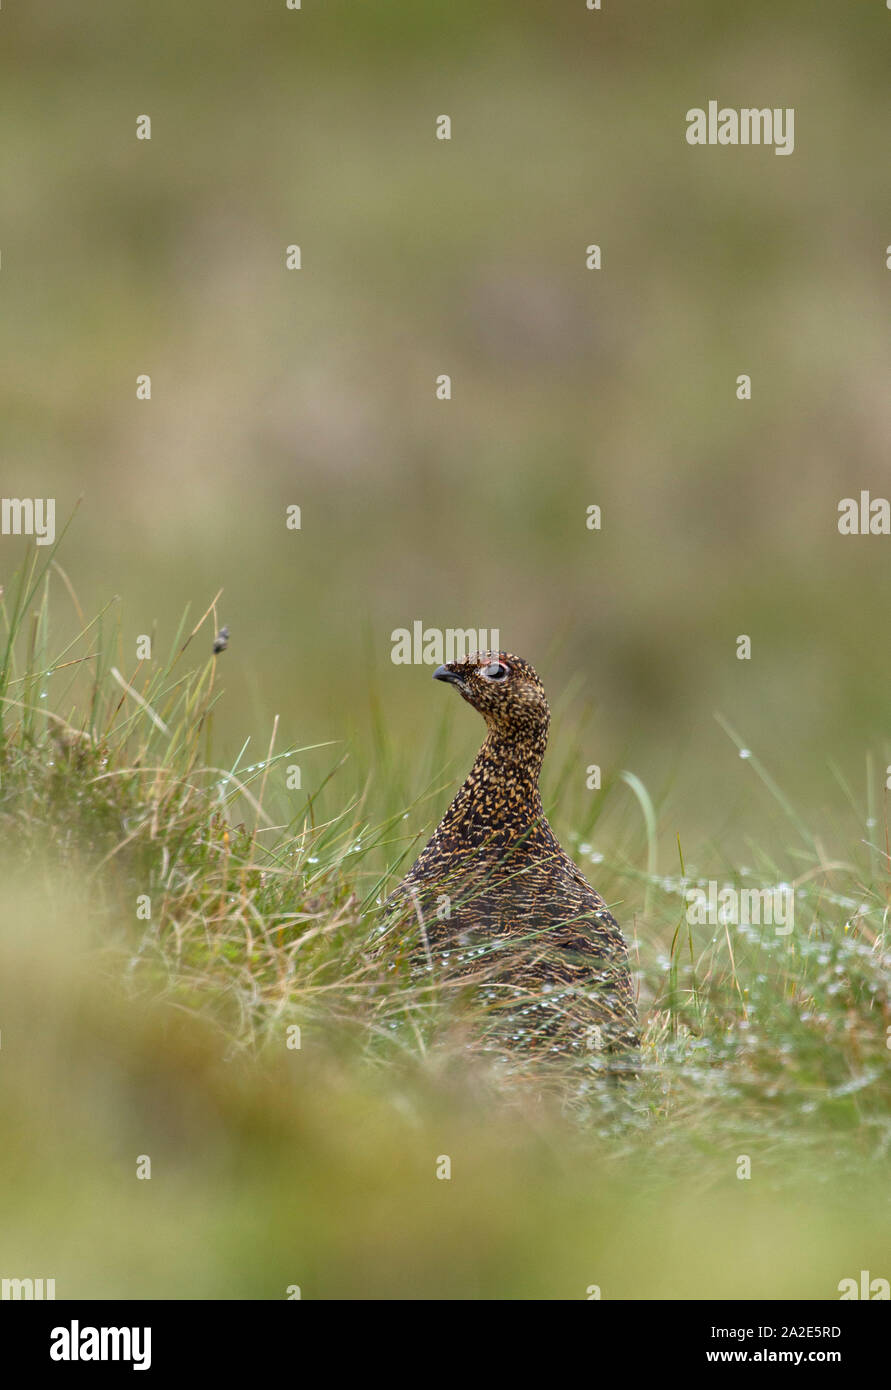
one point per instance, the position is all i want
(570, 388)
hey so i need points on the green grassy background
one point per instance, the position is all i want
(570, 387)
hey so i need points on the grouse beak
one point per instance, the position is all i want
(445, 673)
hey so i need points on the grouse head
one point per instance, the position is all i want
(505, 690)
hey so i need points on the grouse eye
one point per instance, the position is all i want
(497, 671)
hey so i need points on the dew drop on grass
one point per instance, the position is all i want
(745, 752)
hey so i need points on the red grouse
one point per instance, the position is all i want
(494, 899)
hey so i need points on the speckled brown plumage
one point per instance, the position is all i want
(494, 898)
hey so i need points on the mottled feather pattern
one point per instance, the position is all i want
(493, 900)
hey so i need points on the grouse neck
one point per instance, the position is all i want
(513, 759)
(502, 785)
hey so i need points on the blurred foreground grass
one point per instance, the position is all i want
(126, 1034)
